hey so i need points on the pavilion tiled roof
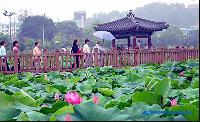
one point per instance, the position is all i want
(131, 23)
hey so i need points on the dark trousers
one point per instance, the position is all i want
(77, 62)
(18, 66)
(7, 65)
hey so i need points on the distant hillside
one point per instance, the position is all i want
(174, 14)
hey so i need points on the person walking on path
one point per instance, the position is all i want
(3, 54)
(100, 50)
(139, 44)
(16, 50)
(37, 53)
(75, 49)
(86, 50)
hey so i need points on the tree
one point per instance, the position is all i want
(68, 31)
(174, 14)
(5, 38)
(192, 38)
(171, 36)
(22, 16)
(32, 27)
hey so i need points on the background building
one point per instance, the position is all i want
(187, 30)
(80, 18)
(5, 29)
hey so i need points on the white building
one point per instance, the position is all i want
(80, 18)
(5, 29)
(187, 30)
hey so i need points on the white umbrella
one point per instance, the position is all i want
(105, 35)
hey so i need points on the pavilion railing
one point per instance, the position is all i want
(66, 61)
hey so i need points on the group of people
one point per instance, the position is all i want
(3, 53)
(86, 50)
(37, 52)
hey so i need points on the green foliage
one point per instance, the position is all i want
(147, 97)
(67, 31)
(32, 27)
(163, 87)
(134, 93)
(5, 38)
(106, 91)
(168, 37)
(191, 111)
(90, 112)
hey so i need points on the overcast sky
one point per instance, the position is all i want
(63, 9)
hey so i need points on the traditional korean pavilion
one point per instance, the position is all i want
(132, 27)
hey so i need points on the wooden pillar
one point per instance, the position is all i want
(57, 55)
(134, 42)
(149, 42)
(113, 43)
(45, 61)
(96, 61)
(129, 42)
(16, 62)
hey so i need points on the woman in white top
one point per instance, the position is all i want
(86, 50)
(2, 49)
(3, 53)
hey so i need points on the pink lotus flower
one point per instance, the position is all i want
(73, 98)
(57, 96)
(173, 102)
(96, 99)
(181, 74)
(68, 117)
(44, 105)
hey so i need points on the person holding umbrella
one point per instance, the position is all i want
(100, 50)
(105, 35)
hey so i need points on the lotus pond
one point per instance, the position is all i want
(169, 92)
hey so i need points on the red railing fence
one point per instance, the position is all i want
(66, 61)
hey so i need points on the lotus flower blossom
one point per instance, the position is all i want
(173, 102)
(73, 98)
(181, 74)
(96, 99)
(68, 117)
(44, 105)
(46, 77)
(57, 96)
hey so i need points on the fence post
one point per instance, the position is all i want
(136, 57)
(16, 54)
(45, 61)
(57, 60)
(115, 57)
(96, 61)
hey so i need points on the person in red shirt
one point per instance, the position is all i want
(16, 50)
